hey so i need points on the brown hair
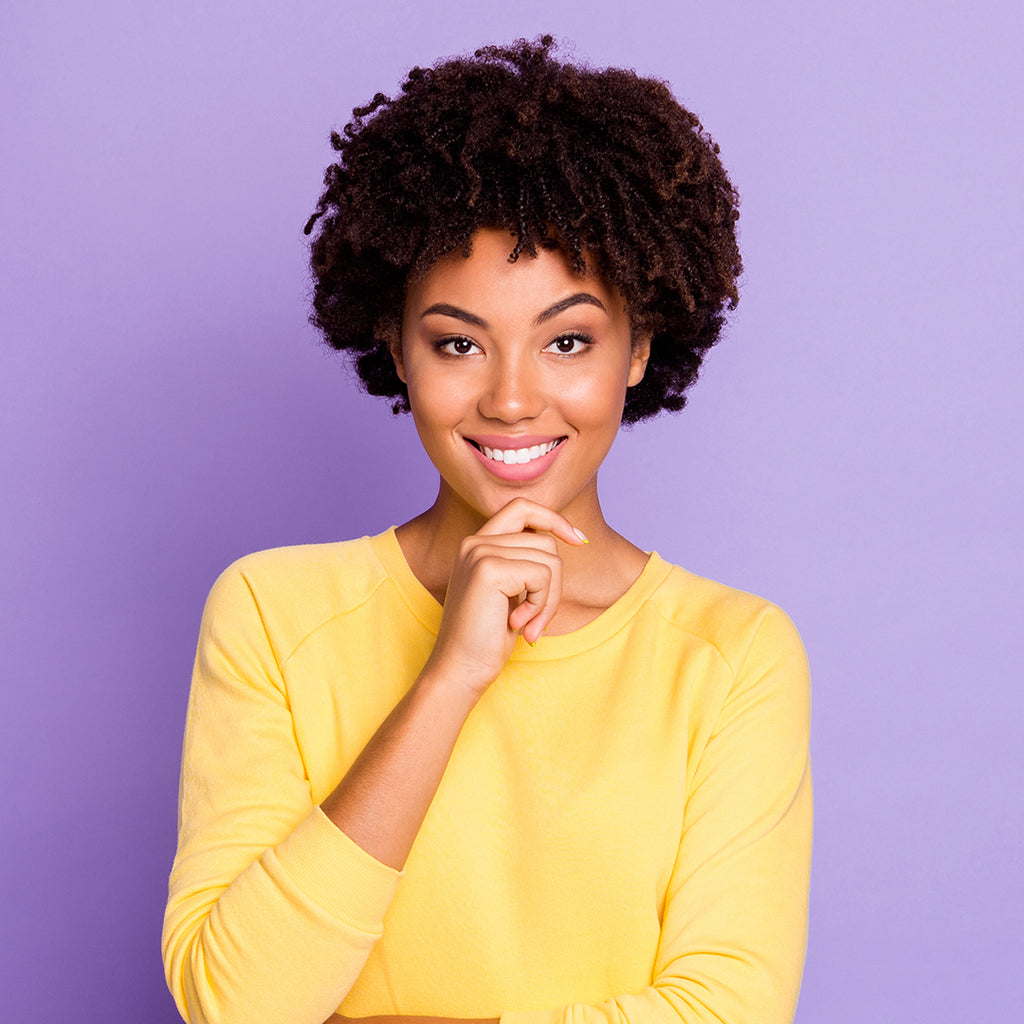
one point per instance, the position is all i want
(605, 163)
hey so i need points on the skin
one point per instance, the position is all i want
(513, 381)
(496, 350)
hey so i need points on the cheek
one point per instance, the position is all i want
(596, 399)
(429, 390)
(436, 403)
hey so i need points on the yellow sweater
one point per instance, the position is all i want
(622, 834)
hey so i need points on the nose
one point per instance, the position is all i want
(513, 390)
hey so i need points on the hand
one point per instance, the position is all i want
(507, 579)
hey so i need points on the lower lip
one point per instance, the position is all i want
(518, 472)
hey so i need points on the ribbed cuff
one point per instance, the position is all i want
(337, 874)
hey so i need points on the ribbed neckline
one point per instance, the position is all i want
(424, 606)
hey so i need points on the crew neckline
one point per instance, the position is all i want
(426, 608)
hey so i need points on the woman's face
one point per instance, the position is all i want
(517, 375)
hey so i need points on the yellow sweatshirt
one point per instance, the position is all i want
(622, 835)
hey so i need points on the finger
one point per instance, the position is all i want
(522, 514)
(534, 581)
(538, 602)
(534, 628)
(516, 575)
(514, 545)
(528, 616)
(532, 619)
(529, 576)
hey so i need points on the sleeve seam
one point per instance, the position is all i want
(725, 700)
(689, 632)
(280, 661)
(263, 624)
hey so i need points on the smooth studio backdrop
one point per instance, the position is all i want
(852, 451)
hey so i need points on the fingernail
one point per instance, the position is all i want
(582, 536)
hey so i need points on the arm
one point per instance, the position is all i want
(381, 802)
(733, 927)
(275, 903)
(264, 888)
(734, 930)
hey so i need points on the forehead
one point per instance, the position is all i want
(486, 281)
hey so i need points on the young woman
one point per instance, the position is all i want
(499, 761)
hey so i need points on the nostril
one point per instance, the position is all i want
(511, 397)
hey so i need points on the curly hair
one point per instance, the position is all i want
(606, 163)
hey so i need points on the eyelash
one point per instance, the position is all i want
(442, 345)
(587, 341)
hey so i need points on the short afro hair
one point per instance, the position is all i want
(604, 163)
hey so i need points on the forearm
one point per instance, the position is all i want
(311, 902)
(512, 561)
(275, 903)
(383, 798)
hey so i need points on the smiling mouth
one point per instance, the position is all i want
(517, 456)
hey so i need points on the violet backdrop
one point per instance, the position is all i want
(852, 451)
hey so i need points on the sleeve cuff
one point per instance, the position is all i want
(336, 873)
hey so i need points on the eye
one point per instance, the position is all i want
(457, 346)
(570, 344)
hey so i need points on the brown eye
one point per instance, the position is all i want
(457, 346)
(569, 344)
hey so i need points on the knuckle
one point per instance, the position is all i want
(492, 564)
(525, 505)
(543, 577)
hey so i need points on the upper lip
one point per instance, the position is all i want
(506, 443)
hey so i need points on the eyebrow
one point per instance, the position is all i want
(578, 299)
(457, 313)
(445, 309)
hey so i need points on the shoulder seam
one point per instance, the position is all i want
(725, 700)
(330, 618)
(689, 632)
(263, 623)
(766, 607)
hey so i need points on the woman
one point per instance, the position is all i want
(500, 762)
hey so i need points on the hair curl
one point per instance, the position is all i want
(606, 162)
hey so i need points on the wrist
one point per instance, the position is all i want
(453, 685)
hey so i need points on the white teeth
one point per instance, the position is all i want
(518, 456)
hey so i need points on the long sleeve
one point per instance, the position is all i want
(621, 836)
(733, 927)
(272, 910)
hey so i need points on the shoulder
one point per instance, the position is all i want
(738, 624)
(346, 569)
(288, 592)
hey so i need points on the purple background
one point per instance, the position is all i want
(852, 452)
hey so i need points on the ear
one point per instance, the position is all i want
(394, 340)
(638, 360)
